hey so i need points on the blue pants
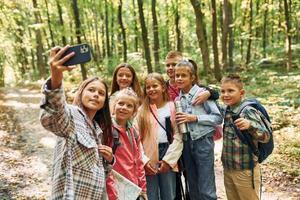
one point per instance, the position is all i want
(198, 156)
(162, 186)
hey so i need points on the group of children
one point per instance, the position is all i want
(135, 132)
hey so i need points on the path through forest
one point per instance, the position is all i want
(26, 150)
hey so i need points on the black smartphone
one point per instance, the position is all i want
(82, 54)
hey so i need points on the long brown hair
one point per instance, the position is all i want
(143, 116)
(135, 82)
(102, 116)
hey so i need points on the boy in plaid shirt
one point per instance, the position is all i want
(241, 170)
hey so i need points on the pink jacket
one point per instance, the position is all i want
(128, 161)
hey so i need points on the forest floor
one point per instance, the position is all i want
(26, 149)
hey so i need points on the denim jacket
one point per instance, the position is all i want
(208, 114)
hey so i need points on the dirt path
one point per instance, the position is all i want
(26, 150)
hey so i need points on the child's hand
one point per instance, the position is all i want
(144, 195)
(201, 98)
(149, 169)
(106, 152)
(163, 167)
(242, 124)
(184, 118)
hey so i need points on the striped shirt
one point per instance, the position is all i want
(78, 171)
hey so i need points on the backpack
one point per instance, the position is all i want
(116, 138)
(263, 150)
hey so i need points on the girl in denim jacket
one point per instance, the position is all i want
(201, 120)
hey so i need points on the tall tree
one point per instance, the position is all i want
(108, 50)
(136, 38)
(288, 38)
(265, 36)
(122, 31)
(155, 36)
(39, 42)
(225, 27)
(78, 33)
(61, 22)
(177, 27)
(145, 36)
(230, 36)
(49, 24)
(201, 34)
(248, 57)
(217, 70)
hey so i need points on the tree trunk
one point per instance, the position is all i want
(265, 39)
(225, 33)
(230, 36)
(107, 31)
(122, 31)
(201, 34)
(136, 38)
(217, 70)
(2, 58)
(39, 43)
(97, 56)
(167, 37)
(155, 37)
(49, 25)
(248, 58)
(78, 33)
(288, 39)
(61, 22)
(145, 36)
(177, 27)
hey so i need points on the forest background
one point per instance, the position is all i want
(259, 39)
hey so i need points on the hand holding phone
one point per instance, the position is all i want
(82, 54)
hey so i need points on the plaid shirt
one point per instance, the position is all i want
(78, 171)
(235, 153)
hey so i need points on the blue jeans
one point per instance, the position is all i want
(162, 186)
(198, 156)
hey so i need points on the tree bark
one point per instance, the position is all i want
(78, 33)
(177, 28)
(217, 70)
(136, 38)
(39, 42)
(108, 50)
(145, 36)
(61, 22)
(265, 36)
(122, 31)
(230, 36)
(201, 34)
(288, 38)
(225, 33)
(49, 25)
(155, 37)
(248, 57)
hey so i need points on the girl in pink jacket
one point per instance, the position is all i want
(128, 153)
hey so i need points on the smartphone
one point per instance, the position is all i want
(82, 54)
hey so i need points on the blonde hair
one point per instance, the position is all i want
(143, 116)
(129, 93)
(174, 54)
(233, 78)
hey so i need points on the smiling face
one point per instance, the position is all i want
(124, 77)
(184, 78)
(170, 65)
(124, 109)
(154, 90)
(93, 97)
(231, 94)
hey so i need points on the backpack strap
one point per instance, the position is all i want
(116, 140)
